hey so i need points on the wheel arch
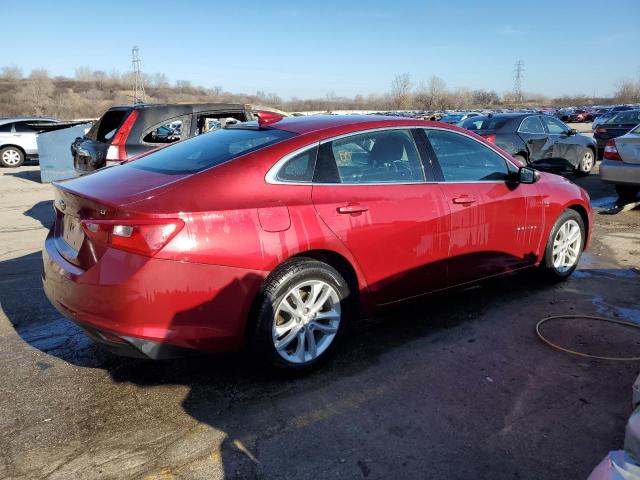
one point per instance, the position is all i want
(18, 147)
(331, 258)
(584, 215)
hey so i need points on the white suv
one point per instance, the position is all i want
(18, 139)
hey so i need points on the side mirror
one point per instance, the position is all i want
(528, 175)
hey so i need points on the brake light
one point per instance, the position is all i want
(611, 152)
(600, 130)
(490, 137)
(117, 150)
(145, 237)
(266, 118)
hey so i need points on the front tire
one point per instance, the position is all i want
(627, 193)
(303, 315)
(587, 161)
(564, 246)
(11, 157)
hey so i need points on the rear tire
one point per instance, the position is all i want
(11, 157)
(587, 161)
(564, 246)
(627, 193)
(304, 313)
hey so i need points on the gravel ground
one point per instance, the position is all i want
(455, 386)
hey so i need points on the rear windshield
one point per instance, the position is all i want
(105, 128)
(209, 150)
(451, 118)
(632, 116)
(484, 123)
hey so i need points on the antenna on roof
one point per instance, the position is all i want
(138, 84)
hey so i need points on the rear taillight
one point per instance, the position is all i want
(490, 137)
(145, 237)
(611, 152)
(600, 130)
(117, 150)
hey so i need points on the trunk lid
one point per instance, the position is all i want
(628, 147)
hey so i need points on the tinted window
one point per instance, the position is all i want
(626, 117)
(386, 156)
(484, 123)
(168, 131)
(463, 159)
(299, 168)
(555, 126)
(209, 150)
(22, 127)
(531, 125)
(6, 128)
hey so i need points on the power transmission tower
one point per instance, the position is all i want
(518, 73)
(138, 85)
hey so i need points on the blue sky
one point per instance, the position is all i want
(309, 48)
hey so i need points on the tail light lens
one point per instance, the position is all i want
(611, 152)
(266, 118)
(600, 130)
(144, 237)
(490, 138)
(117, 150)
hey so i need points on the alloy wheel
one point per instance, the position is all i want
(566, 246)
(11, 157)
(306, 321)
(586, 163)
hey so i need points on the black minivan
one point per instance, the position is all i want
(125, 131)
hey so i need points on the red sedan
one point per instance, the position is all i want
(274, 235)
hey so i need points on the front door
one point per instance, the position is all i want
(566, 151)
(495, 223)
(539, 145)
(371, 190)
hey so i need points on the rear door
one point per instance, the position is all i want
(533, 134)
(25, 136)
(372, 191)
(495, 225)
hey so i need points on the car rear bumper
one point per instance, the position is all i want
(618, 172)
(155, 308)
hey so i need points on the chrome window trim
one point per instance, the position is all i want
(271, 176)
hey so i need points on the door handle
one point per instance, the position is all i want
(352, 209)
(464, 200)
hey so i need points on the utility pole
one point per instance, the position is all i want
(518, 73)
(138, 85)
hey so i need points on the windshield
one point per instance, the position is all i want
(631, 116)
(209, 150)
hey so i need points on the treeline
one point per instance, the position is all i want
(91, 92)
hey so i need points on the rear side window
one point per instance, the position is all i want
(463, 159)
(531, 125)
(299, 168)
(168, 131)
(6, 128)
(104, 130)
(23, 127)
(385, 156)
(209, 150)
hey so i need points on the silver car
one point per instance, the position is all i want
(621, 164)
(18, 139)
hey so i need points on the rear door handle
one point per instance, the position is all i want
(464, 200)
(352, 209)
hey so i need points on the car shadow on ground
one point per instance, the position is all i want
(42, 212)
(252, 405)
(32, 175)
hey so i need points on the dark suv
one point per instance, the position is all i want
(128, 130)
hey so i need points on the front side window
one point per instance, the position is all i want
(384, 156)
(531, 125)
(209, 150)
(24, 127)
(463, 159)
(555, 126)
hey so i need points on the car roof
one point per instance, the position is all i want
(314, 123)
(183, 107)
(5, 120)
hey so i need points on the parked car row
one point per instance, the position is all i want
(18, 139)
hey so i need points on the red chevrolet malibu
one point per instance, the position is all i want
(275, 234)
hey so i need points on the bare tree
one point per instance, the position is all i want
(401, 91)
(627, 91)
(11, 72)
(84, 74)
